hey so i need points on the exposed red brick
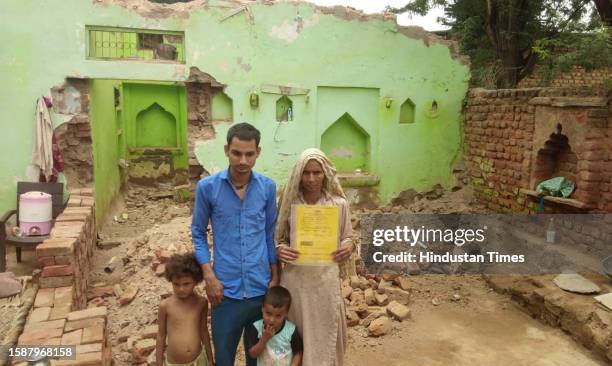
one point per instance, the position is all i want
(55, 246)
(45, 261)
(97, 312)
(55, 271)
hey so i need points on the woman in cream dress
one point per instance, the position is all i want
(317, 307)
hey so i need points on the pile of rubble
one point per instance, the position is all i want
(374, 301)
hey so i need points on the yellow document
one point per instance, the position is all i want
(314, 233)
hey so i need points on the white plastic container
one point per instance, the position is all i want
(35, 213)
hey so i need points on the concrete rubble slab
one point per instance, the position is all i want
(574, 282)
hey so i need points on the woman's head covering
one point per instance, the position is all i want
(331, 186)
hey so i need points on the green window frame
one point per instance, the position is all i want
(114, 43)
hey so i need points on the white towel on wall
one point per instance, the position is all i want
(42, 153)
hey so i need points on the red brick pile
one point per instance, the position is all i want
(64, 258)
(85, 329)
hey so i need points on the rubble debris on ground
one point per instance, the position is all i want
(373, 301)
(136, 247)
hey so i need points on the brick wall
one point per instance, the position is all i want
(509, 132)
(64, 258)
(58, 315)
(577, 76)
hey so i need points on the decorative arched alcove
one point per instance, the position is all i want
(155, 127)
(347, 144)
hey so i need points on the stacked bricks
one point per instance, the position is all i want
(85, 329)
(64, 257)
(499, 142)
(577, 76)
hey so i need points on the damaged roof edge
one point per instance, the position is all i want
(157, 10)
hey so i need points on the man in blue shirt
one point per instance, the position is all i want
(241, 206)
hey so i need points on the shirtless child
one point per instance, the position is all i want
(183, 317)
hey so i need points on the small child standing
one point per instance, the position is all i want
(274, 340)
(183, 317)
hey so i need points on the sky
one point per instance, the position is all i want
(375, 6)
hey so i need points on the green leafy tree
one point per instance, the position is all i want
(505, 38)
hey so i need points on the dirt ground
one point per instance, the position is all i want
(477, 327)
(483, 328)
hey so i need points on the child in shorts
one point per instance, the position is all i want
(274, 340)
(183, 317)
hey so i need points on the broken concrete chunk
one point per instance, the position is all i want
(346, 291)
(369, 296)
(381, 299)
(149, 331)
(379, 327)
(371, 317)
(357, 296)
(355, 282)
(384, 286)
(128, 295)
(142, 349)
(397, 310)
(390, 275)
(403, 283)
(352, 318)
(397, 294)
(574, 282)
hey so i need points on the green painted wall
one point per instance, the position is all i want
(155, 122)
(104, 125)
(222, 107)
(348, 65)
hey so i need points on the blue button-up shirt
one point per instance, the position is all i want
(243, 232)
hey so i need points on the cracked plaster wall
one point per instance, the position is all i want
(244, 45)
